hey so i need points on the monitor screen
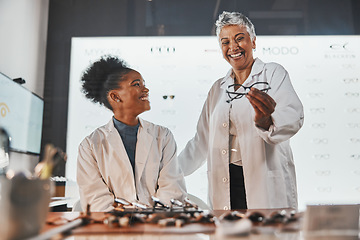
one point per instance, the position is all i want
(21, 115)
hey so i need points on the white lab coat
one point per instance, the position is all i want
(269, 171)
(105, 172)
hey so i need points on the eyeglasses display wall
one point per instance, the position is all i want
(179, 71)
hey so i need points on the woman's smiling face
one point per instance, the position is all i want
(133, 94)
(237, 46)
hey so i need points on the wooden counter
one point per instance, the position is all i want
(98, 230)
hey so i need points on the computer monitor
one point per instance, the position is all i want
(21, 115)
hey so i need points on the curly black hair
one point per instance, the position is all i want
(101, 77)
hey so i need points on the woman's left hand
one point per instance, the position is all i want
(263, 105)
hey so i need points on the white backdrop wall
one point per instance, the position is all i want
(324, 70)
(23, 28)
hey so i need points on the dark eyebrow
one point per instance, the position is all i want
(239, 34)
(235, 36)
(136, 80)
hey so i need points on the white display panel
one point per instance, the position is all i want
(324, 70)
(21, 115)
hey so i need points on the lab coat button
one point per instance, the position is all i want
(224, 179)
(223, 151)
(224, 125)
(226, 208)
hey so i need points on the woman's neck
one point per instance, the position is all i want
(126, 119)
(241, 75)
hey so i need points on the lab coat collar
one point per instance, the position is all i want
(256, 69)
(143, 145)
(227, 80)
(114, 139)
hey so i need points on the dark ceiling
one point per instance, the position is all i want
(270, 17)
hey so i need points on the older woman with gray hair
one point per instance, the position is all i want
(245, 125)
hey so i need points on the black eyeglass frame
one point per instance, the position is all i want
(240, 95)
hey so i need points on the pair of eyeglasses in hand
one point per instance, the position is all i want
(243, 90)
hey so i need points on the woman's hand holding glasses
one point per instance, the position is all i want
(263, 105)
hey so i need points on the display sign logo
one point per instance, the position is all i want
(4, 109)
(340, 51)
(162, 49)
(337, 46)
(280, 50)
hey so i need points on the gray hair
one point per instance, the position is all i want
(234, 18)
